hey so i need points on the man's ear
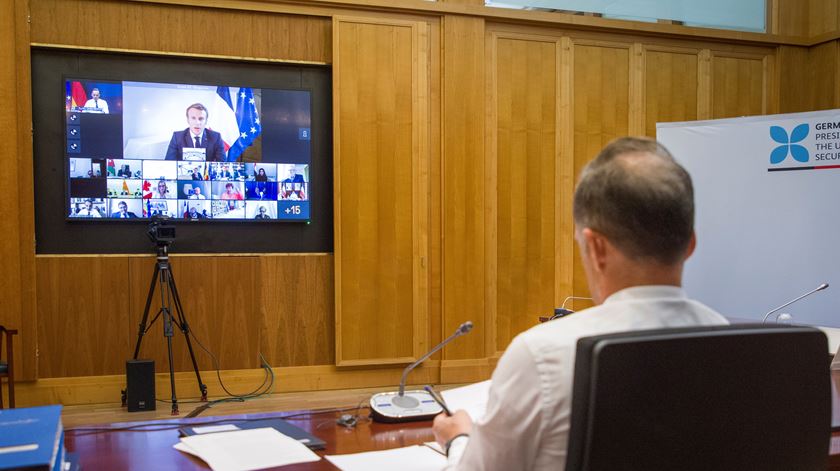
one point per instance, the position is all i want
(597, 247)
(692, 244)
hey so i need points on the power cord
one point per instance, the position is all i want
(256, 392)
(176, 424)
(349, 421)
(261, 390)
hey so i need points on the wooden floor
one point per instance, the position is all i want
(76, 416)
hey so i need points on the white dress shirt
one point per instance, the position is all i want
(99, 104)
(88, 213)
(526, 425)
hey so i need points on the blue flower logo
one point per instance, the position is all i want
(789, 144)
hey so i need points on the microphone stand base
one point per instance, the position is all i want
(414, 405)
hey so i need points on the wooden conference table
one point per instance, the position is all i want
(152, 449)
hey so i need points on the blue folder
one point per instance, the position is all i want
(299, 434)
(31, 438)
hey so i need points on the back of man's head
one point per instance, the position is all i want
(640, 198)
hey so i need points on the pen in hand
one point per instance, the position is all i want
(437, 397)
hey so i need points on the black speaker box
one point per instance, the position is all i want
(140, 385)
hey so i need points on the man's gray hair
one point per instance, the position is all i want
(640, 198)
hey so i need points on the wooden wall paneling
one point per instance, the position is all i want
(405, 9)
(466, 2)
(17, 221)
(181, 29)
(704, 84)
(83, 315)
(297, 309)
(740, 84)
(525, 88)
(106, 388)
(822, 16)
(380, 102)
(436, 334)
(601, 106)
(221, 303)
(796, 78)
(464, 190)
(671, 86)
(791, 17)
(491, 188)
(822, 83)
(771, 84)
(636, 119)
(564, 241)
(420, 175)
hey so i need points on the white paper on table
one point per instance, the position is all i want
(471, 398)
(246, 450)
(181, 446)
(215, 428)
(435, 446)
(410, 458)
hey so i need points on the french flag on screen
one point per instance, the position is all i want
(239, 120)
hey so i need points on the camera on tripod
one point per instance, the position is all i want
(161, 231)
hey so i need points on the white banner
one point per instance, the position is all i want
(767, 192)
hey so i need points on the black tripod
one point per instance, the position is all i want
(168, 294)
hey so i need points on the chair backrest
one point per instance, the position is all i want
(709, 398)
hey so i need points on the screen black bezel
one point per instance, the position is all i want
(55, 234)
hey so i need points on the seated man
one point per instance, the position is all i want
(196, 139)
(196, 194)
(262, 214)
(88, 211)
(634, 226)
(193, 214)
(292, 187)
(123, 212)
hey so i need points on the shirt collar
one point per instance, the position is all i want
(646, 292)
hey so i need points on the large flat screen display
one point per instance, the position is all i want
(188, 151)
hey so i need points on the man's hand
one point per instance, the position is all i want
(446, 427)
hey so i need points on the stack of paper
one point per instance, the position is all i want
(410, 458)
(471, 398)
(246, 450)
(311, 441)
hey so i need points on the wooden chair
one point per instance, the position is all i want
(7, 369)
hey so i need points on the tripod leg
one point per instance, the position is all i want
(168, 321)
(146, 311)
(185, 328)
(168, 333)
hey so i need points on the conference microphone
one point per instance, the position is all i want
(562, 311)
(818, 288)
(405, 406)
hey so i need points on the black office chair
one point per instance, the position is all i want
(738, 397)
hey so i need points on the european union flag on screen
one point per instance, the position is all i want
(248, 120)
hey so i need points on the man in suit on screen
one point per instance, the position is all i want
(196, 142)
(123, 212)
